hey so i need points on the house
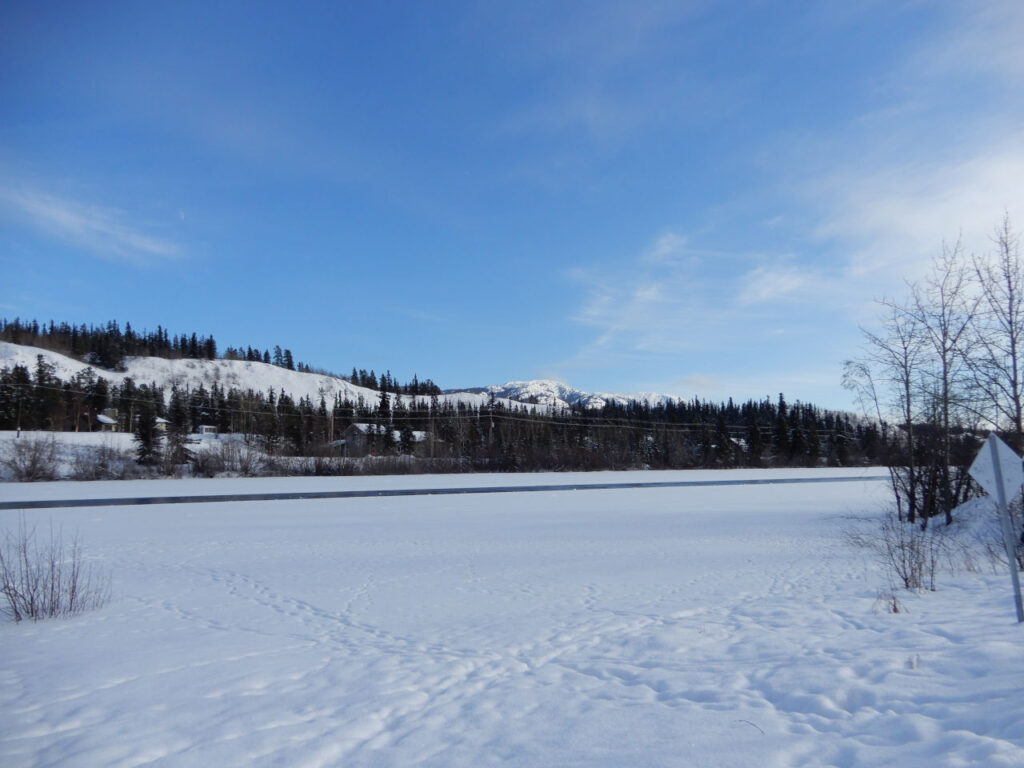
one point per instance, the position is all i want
(107, 424)
(360, 439)
(363, 439)
(161, 424)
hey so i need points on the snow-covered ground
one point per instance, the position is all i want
(721, 626)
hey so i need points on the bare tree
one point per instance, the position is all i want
(944, 312)
(886, 382)
(998, 365)
(914, 371)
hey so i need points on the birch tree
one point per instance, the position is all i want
(998, 362)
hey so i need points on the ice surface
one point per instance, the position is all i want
(725, 626)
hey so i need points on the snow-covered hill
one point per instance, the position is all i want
(261, 377)
(239, 374)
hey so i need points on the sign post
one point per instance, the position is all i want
(999, 471)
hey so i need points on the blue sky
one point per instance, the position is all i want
(696, 198)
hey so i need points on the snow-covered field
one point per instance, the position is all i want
(722, 626)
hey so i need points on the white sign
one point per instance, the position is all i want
(998, 469)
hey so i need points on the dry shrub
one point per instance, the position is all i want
(912, 554)
(248, 461)
(208, 463)
(47, 578)
(31, 458)
(103, 462)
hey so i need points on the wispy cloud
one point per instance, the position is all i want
(105, 231)
(939, 158)
(685, 320)
(982, 38)
(653, 303)
(894, 219)
(765, 284)
(667, 248)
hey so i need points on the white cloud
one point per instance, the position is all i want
(938, 157)
(893, 220)
(667, 248)
(982, 37)
(765, 284)
(651, 305)
(715, 324)
(104, 231)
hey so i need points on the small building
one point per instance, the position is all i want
(107, 423)
(161, 424)
(206, 429)
(362, 439)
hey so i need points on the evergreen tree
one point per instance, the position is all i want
(813, 446)
(177, 452)
(723, 452)
(780, 436)
(755, 444)
(147, 439)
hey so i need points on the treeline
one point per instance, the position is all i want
(387, 383)
(106, 346)
(676, 435)
(493, 437)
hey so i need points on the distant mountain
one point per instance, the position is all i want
(558, 395)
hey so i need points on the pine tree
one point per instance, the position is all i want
(177, 429)
(723, 444)
(780, 437)
(755, 445)
(147, 438)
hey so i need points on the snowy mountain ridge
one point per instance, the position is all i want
(189, 373)
(559, 395)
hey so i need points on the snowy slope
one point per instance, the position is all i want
(726, 627)
(239, 374)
